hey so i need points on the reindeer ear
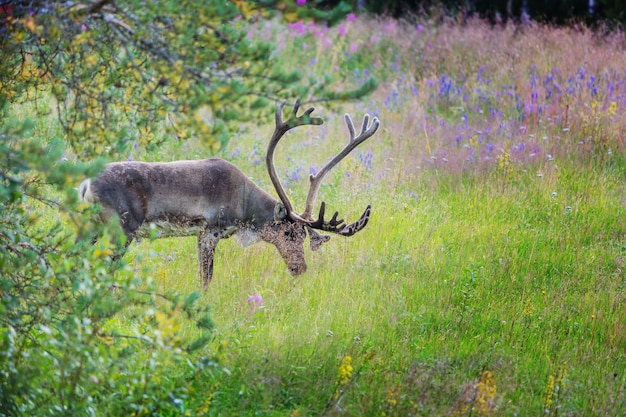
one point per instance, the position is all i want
(280, 212)
(316, 239)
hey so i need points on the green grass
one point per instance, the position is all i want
(478, 288)
(526, 283)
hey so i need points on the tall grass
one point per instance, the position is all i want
(490, 280)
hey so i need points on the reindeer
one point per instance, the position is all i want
(214, 200)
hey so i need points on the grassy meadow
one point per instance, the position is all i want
(490, 279)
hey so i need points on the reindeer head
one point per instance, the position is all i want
(289, 229)
(288, 237)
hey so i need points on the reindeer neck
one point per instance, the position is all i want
(259, 207)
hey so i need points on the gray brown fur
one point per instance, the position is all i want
(210, 198)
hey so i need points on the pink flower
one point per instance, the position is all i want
(298, 27)
(419, 28)
(391, 25)
(256, 298)
(83, 27)
(353, 47)
(342, 30)
(300, 2)
(315, 30)
(351, 17)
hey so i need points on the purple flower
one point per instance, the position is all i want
(255, 299)
(342, 30)
(366, 160)
(298, 27)
(351, 17)
(300, 2)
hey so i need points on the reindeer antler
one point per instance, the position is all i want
(279, 131)
(334, 225)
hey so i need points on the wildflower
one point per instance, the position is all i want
(298, 27)
(351, 17)
(504, 159)
(528, 309)
(342, 30)
(345, 370)
(485, 393)
(392, 397)
(300, 2)
(366, 160)
(389, 26)
(255, 300)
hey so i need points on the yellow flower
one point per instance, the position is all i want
(504, 158)
(485, 393)
(345, 370)
(528, 308)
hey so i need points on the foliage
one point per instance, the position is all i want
(62, 350)
(118, 70)
(559, 12)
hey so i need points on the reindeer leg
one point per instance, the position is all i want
(207, 241)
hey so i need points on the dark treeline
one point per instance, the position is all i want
(552, 11)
